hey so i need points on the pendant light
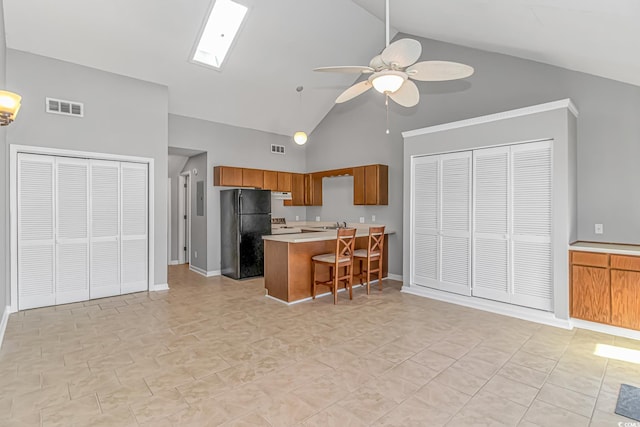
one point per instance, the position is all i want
(300, 137)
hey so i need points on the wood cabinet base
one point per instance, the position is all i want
(287, 266)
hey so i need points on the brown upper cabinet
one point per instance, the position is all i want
(284, 181)
(270, 180)
(253, 178)
(297, 189)
(371, 185)
(227, 176)
(312, 190)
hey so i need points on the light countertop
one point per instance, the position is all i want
(294, 232)
(611, 248)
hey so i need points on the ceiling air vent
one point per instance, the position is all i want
(67, 108)
(277, 149)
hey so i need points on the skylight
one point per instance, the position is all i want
(219, 33)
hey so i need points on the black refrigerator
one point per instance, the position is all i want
(245, 216)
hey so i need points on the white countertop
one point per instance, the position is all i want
(611, 248)
(281, 234)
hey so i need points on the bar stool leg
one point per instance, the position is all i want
(313, 278)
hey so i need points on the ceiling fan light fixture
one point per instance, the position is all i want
(300, 138)
(388, 81)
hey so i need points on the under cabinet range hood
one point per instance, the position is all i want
(281, 195)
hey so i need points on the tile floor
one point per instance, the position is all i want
(214, 352)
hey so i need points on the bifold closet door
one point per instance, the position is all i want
(134, 237)
(36, 231)
(105, 228)
(441, 219)
(72, 230)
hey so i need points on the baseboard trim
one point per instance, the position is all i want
(605, 329)
(397, 277)
(311, 298)
(518, 312)
(4, 322)
(174, 262)
(160, 287)
(203, 272)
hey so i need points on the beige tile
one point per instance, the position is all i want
(80, 411)
(168, 378)
(158, 406)
(334, 416)
(450, 349)
(582, 384)
(287, 410)
(546, 415)
(533, 361)
(489, 405)
(321, 392)
(25, 404)
(120, 417)
(571, 400)
(201, 414)
(523, 374)
(251, 420)
(445, 398)
(394, 353)
(411, 371)
(414, 413)
(203, 389)
(512, 390)
(432, 360)
(367, 405)
(460, 380)
(393, 388)
(123, 396)
(103, 383)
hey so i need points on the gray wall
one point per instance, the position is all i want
(198, 237)
(233, 146)
(122, 116)
(608, 134)
(176, 164)
(556, 124)
(4, 215)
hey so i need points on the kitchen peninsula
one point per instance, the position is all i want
(287, 258)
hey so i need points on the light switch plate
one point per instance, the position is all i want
(297, 218)
(361, 220)
(373, 218)
(318, 218)
(599, 228)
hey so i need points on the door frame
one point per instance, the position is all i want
(184, 233)
(14, 149)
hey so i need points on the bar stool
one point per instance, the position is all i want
(345, 241)
(373, 253)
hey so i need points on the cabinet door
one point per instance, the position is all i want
(134, 228)
(270, 180)
(314, 189)
(297, 190)
(227, 176)
(371, 185)
(425, 242)
(358, 186)
(252, 178)
(590, 294)
(284, 181)
(625, 299)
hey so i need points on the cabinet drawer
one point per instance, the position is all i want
(590, 258)
(623, 262)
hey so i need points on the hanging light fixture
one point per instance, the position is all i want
(388, 81)
(9, 107)
(300, 137)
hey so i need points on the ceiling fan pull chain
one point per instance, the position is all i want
(386, 103)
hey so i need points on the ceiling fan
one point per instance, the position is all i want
(394, 69)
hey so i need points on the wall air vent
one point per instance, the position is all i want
(66, 108)
(277, 149)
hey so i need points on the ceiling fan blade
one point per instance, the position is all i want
(439, 71)
(403, 52)
(353, 91)
(346, 69)
(407, 95)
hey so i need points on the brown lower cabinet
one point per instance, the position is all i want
(605, 288)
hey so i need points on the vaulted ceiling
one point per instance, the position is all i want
(283, 40)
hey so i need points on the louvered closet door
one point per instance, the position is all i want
(531, 166)
(491, 224)
(134, 247)
(72, 226)
(424, 218)
(105, 228)
(455, 223)
(36, 231)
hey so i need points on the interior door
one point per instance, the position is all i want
(134, 231)
(455, 223)
(72, 230)
(36, 231)
(424, 218)
(104, 278)
(491, 273)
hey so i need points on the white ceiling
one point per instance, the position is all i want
(283, 40)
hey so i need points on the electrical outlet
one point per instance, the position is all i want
(373, 218)
(361, 220)
(318, 218)
(297, 218)
(599, 228)
(195, 254)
